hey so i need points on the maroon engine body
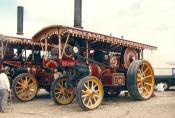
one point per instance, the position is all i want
(108, 76)
(94, 70)
(113, 79)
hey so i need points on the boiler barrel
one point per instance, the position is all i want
(89, 70)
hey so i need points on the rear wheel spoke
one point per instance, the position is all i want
(148, 76)
(139, 84)
(146, 70)
(146, 90)
(149, 84)
(139, 75)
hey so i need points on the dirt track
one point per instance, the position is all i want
(160, 106)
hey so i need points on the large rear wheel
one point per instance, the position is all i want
(89, 93)
(140, 80)
(25, 87)
(61, 94)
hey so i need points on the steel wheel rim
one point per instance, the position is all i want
(92, 93)
(62, 94)
(26, 88)
(145, 80)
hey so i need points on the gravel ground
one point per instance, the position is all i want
(160, 106)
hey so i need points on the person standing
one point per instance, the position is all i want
(57, 74)
(4, 89)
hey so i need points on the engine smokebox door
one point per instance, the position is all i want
(113, 79)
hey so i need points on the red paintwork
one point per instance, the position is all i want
(95, 70)
(13, 63)
(50, 64)
(67, 63)
(113, 79)
(59, 63)
(108, 70)
(45, 78)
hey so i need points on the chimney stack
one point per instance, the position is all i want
(78, 13)
(20, 20)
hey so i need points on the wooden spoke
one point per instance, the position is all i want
(57, 88)
(67, 95)
(139, 75)
(146, 89)
(86, 95)
(92, 86)
(95, 100)
(96, 96)
(147, 83)
(20, 84)
(83, 91)
(96, 91)
(57, 93)
(139, 84)
(142, 66)
(60, 85)
(90, 101)
(30, 85)
(146, 70)
(19, 87)
(21, 80)
(147, 76)
(140, 71)
(20, 91)
(86, 87)
(88, 84)
(58, 96)
(26, 80)
(63, 97)
(84, 100)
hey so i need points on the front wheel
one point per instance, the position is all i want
(25, 87)
(140, 80)
(89, 93)
(60, 93)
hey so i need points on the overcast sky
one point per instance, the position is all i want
(146, 21)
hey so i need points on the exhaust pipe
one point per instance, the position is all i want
(78, 13)
(20, 20)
